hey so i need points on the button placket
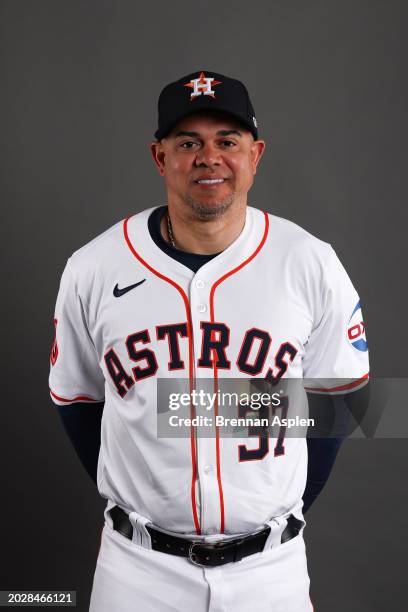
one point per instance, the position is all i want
(210, 509)
(199, 307)
(205, 447)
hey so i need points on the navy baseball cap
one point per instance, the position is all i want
(204, 90)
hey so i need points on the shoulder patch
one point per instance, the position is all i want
(356, 330)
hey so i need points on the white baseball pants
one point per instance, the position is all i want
(131, 577)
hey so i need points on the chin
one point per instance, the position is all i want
(207, 210)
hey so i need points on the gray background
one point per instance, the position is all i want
(79, 83)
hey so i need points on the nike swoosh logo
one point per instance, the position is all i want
(119, 292)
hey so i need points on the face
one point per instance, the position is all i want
(208, 162)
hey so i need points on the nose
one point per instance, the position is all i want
(208, 156)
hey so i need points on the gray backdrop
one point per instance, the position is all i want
(79, 83)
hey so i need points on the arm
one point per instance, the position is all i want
(76, 380)
(82, 423)
(336, 415)
(322, 456)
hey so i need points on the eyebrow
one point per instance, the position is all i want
(197, 135)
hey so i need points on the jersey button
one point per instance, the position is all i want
(200, 284)
(201, 308)
(207, 469)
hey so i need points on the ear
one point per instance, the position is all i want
(257, 150)
(158, 154)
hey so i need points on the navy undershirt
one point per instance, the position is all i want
(193, 261)
(82, 421)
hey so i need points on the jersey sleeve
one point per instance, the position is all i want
(75, 373)
(336, 354)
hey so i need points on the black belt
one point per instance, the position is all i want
(201, 553)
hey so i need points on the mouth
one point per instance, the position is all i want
(209, 181)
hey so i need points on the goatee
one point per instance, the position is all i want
(207, 213)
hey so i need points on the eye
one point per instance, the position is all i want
(228, 144)
(188, 144)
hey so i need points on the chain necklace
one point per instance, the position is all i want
(170, 232)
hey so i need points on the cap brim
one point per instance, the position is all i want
(165, 130)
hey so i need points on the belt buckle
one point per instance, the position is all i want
(211, 546)
(192, 556)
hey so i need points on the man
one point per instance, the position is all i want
(205, 287)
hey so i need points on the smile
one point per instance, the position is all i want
(210, 181)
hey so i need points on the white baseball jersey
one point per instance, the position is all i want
(276, 302)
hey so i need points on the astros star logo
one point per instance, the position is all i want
(202, 86)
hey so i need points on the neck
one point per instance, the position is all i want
(205, 237)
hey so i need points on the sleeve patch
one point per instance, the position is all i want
(356, 330)
(54, 346)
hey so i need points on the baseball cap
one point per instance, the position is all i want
(204, 90)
